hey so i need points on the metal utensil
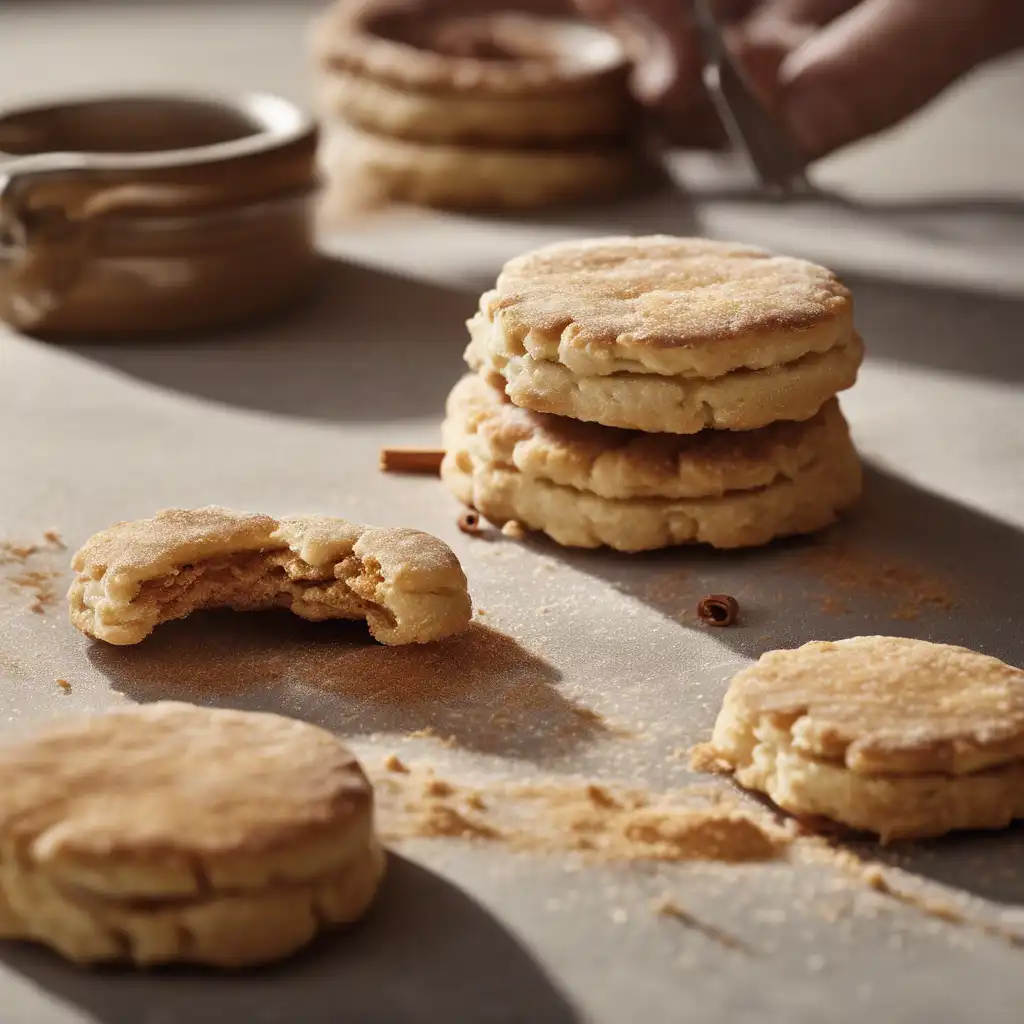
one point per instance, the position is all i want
(774, 158)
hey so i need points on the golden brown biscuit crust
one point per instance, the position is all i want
(889, 704)
(408, 585)
(453, 177)
(672, 306)
(170, 831)
(896, 736)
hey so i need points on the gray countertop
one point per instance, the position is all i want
(290, 415)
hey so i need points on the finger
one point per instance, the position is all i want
(803, 12)
(883, 60)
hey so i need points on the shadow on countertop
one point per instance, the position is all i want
(368, 345)
(481, 691)
(427, 952)
(904, 562)
(375, 346)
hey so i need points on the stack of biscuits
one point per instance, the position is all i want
(466, 104)
(641, 393)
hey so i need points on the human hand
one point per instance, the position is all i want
(833, 71)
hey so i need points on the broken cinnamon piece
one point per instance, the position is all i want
(469, 522)
(411, 460)
(718, 610)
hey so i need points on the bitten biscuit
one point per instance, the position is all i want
(407, 585)
(170, 832)
(899, 737)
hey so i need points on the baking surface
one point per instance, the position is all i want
(290, 416)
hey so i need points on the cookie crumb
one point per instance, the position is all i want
(665, 905)
(514, 529)
(53, 538)
(438, 787)
(600, 796)
(444, 822)
(11, 552)
(64, 685)
(394, 763)
(704, 758)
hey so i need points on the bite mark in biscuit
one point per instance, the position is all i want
(407, 585)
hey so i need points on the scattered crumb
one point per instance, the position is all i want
(11, 552)
(704, 758)
(431, 734)
(600, 796)
(394, 763)
(39, 584)
(831, 605)
(873, 876)
(666, 906)
(853, 571)
(64, 685)
(439, 821)
(514, 530)
(53, 538)
(438, 788)
(592, 819)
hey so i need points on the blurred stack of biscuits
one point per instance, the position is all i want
(640, 393)
(473, 104)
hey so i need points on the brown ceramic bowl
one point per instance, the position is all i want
(153, 213)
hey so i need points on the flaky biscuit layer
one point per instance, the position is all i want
(740, 400)
(891, 735)
(577, 518)
(679, 307)
(468, 178)
(614, 463)
(560, 122)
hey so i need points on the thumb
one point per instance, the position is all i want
(883, 60)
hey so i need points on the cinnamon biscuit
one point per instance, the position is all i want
(523, 122)
(169, 832)
(407, 585)
(898, 737)
(466, 178)
(586, 485)
(667, 334)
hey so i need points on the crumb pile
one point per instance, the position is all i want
(37, 582)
